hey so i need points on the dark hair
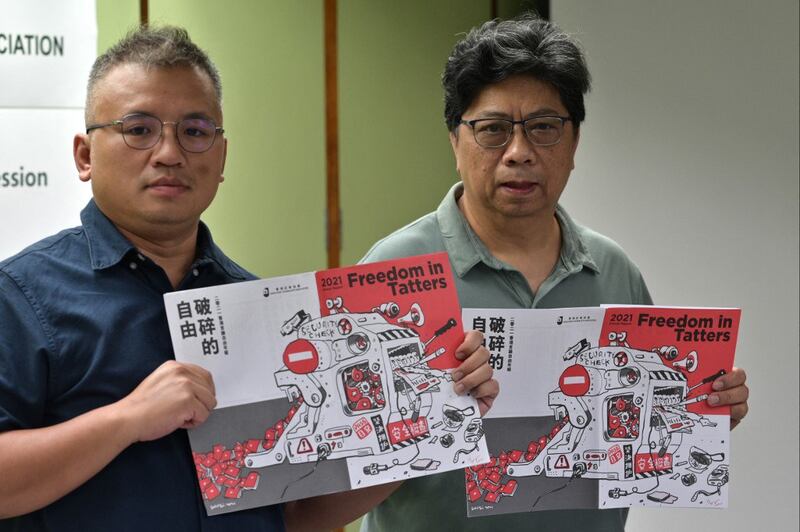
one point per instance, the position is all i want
(500, 49)
(160, 46)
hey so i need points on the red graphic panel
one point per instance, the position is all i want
(362, 428)
(574, 381)
(696, 342)
(304, 446)
(400, 431)
(363, 388)
(413, 293)
(648, 462)
(300, 356)
(562, 462)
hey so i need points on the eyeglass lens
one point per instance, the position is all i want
(143, 131)
(543, 131)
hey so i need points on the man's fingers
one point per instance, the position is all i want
(174, 395)
(202, 384)
(479, 357)
(735, 378)
(201, 374)
(206, 397)
(738, 412)
(485, 393)
(199, 415)
(731, 396)
(730, 389)
(486, 390)
(472, 380)
(485, 404)
(472, 341)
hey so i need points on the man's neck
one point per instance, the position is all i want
(174, 253)
(531, 244)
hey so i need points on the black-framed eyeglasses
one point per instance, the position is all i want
(142, 131)
(497, 132)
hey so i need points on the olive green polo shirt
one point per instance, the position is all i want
(591, 270)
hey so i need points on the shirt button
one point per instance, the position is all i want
(133, 265)
(196, 272)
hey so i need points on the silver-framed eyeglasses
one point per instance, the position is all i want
(141, 131)
(497, 132)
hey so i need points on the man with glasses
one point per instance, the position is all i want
(90, 394)
(513, 105)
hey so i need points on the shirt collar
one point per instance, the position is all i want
(107, 246)
(466, 250)
(209, 252)
(574, 251)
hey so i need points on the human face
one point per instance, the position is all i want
(161, 190)
(518, 180)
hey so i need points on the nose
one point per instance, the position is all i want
(168, 151)
(519, 149)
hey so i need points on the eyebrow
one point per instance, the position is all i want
(204, 116)
(546, 111)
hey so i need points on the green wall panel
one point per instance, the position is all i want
(395, 157)
(114, 19)
(269, 213)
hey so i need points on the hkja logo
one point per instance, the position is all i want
(573, 319)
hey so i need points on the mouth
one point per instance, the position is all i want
(168, 186)
(518, 186)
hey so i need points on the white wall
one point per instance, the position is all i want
(689, 159)
(46, 53)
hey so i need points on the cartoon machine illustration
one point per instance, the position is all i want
(635, 399)
(360, 383)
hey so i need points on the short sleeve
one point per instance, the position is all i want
(24, 367)
(420, 237)
(641, 293)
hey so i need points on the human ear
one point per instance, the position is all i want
(575, 146)
(454, 146)
(224, 158)
(81, 153)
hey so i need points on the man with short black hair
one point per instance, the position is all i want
(513, 106)
(90, 393)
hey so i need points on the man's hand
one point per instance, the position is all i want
(176, 395)
(173, 396)
(474, 375)
(730, 389)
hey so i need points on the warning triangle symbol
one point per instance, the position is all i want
(305, 446)
(561, 463)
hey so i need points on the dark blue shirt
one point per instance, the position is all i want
(82, 323)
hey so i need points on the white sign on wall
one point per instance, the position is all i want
(46, 51)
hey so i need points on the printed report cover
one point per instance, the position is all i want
(604, 408)
(327, 381)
